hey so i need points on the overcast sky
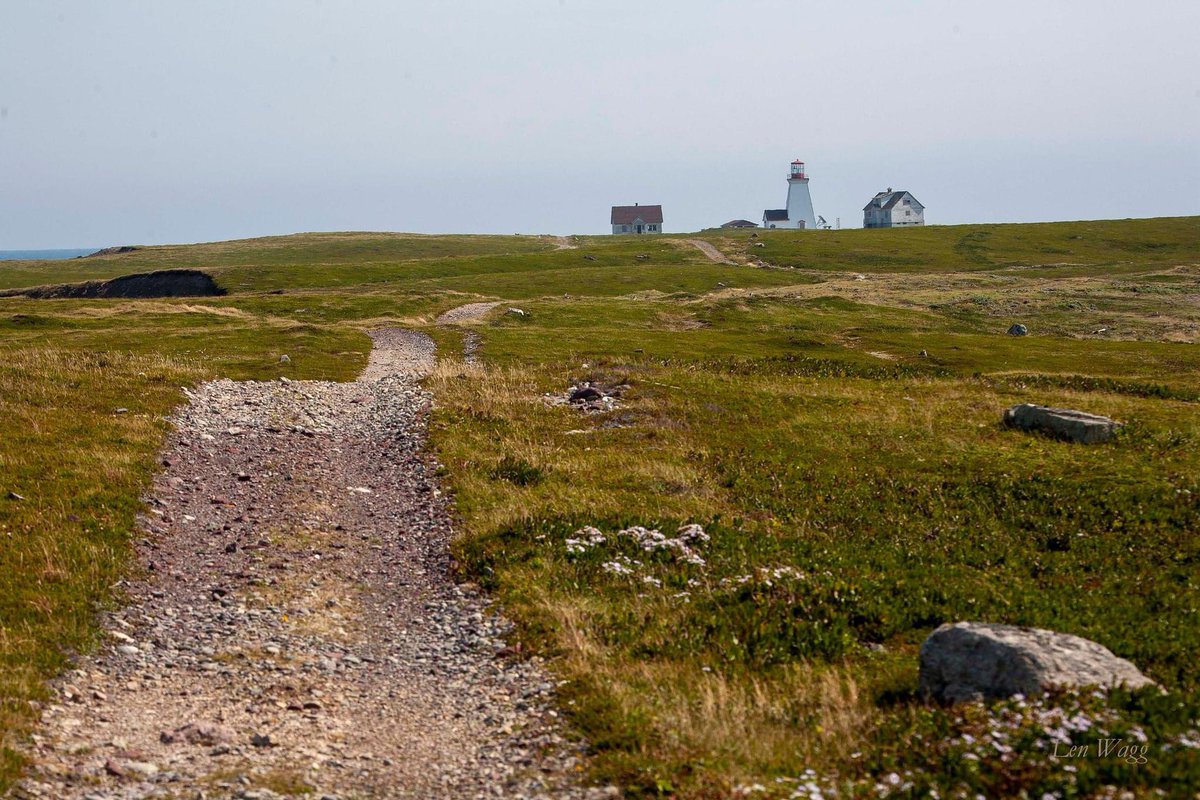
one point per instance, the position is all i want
(172, 121)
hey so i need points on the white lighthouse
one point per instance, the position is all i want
(799, 212)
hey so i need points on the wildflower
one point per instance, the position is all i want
(583, 540)
(616, 568)
(590, 535)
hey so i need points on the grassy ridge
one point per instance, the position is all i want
(857, 492)
(1059, 249)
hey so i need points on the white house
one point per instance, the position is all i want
(636, 219)
(799, 212)
(893, 209)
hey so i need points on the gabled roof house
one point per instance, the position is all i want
(636, 219)
(893, 209)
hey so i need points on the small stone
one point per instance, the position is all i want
(206, 734)
(284, 359)
(262, 740)
(584, 394)
(1017, 329)
(144, 769)
(15, 496)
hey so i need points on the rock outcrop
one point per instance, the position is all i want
(1063, 423)
(163, 283)
(976, 660)
(113, 251)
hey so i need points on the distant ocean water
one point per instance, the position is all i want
(51, 255)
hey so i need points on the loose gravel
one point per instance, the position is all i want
(297, 631)
(471, 312)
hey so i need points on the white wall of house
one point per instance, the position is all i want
(911, 214)
(895, 217)
(647, 227)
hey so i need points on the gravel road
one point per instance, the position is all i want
(296, 631)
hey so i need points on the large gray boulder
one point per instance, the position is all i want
(1074, 426)
(976, 660)
(1017, 329)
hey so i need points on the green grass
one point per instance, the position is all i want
(1058, 249)
(889, 484)
(787, 408)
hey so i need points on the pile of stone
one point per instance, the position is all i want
(589, 397)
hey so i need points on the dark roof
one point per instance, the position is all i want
(740, 223)
(888, 200)
(775, 215)
(627, 215)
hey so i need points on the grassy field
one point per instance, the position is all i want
(857, 493)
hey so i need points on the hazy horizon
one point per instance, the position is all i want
(178, 122)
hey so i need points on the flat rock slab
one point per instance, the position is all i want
(1063, 423)
(975, 660)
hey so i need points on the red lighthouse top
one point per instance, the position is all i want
(797, 172)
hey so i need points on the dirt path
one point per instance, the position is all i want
(297, 628)
(464, 315)
(709, 250)
(564, 243)
(471, 312)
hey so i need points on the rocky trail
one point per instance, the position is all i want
(471, 312)
(464, 316)
(296, 631)
(710, 251)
